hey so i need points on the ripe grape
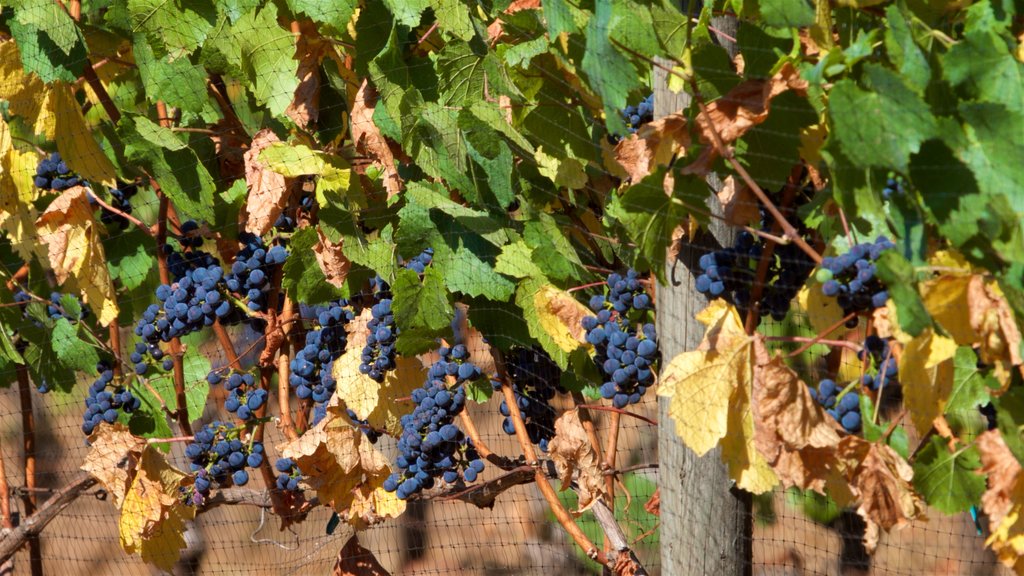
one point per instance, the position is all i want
(312, 365)
(52, 173)
(893, 187)
(882, 363)
(844, 408)
(289, 475)
(217, 454)
(121, 197)
(626, 355)
(852, 280)
(244, 396)
(252, 270)
(105, 398)
(535, 382)
(642, 113)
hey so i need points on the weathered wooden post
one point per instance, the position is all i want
(706, 526)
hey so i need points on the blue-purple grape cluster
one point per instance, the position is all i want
(535, 381)
(850, 278)
(121, 197)
(288, 474)
(312, 365)
(106, 397)
(192, 302)
(52, 173)
(730, 274)
(244, 396)
(252, 270)
(878, 355)
(844, 408)
(431, 445)
(625, 355)
(642, 113)
(379, 352)
(218, 455)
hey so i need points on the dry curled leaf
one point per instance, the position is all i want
(575, 460)
(309, 51)
(332, 260)
(653, 505)
(268, 190)
(354, 560)
(880, 479)
(739, 205)
(1003, 501)
(654, 144)
(368, 139)
(112, 446)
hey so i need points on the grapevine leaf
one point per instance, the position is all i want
(407, 12)
(517, 260)
(294, 161)
(881, 124)
(73, 352)
(110, 447)
(464, 271)
(75, 140)
(51, 45)
(153, 516)
(611, 74)
(926, 373)
(989, 143)
(150, 420)
(197, 388)
(770, 149)
(421, 305)
(331, 258)
(553, 317)
(130, 262)
(178, 82)
(576, 461)
(334, 13)
(502, 323)
(904, 52)
(948, 481)
(17, 191)
(264, 52)
(268, 190)
(747, 466)
(75, 251)
(552, 251)
(22, 91)
(1001, 501)
(174, 28)
(970, 387)
(981, 64)
(898, 275)
(881, 480)
(368, 139)
(786, 13)
(303, 278)
(654, 145)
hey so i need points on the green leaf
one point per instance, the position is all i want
(265, 52)
(882, 124)
(129, 260)
(407, 12)
(632, 25)
(421, 305)
(552, 250)
(49, 41)
(1010, 419)
(970, 385)
(43, 363)
(7, 348)
(197, 367)
(517, 260)
(430, 196)
(786, 13)
(453, 17)
(983, 63)
(150, 420)
(174, 27)
(465, 272)
(501, 323)
(993, 145)
(335, 13)
(904, 52)
(73, 352)
(563, 16)
(178, 83)
(303, 279)
(770, 149)
(949, 482)
(525, 299)
(479, 390)
(182, 177)
(611, 74)
(898, 275)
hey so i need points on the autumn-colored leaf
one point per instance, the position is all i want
(575, 460)
(744, 107)
(377, 403)
(75, 250)
(926, 373)
(152, 515)
(75, 140)
(1003, 501)
(654, 144)
(309, 51)
(368, 139)
(23, 92)
(112, 446)
(17, 191)
(747, 466)
(821, 311)
(880, 479)
(739, 205)
(268, 190)
(354, 560)
(560, 316)
(332, 260)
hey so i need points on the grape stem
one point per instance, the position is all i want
(148, 230)
(615, 410)
(224, 339)
(815, 340)
(287, 425)
(28, 435)
(561, 514)
(824, 333)
(170, 440)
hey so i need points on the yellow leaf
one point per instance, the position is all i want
(564, 172)
(377, 402)
(23, 92)
(822, 312)
(946, 300)
(75, 251)
(926, 373)
(560, 317)
(700, 383)
(152, 522)
(372, 505)
(1003, 500)
(75, 141)
(111, 448)
(17, 214)
(747, 466)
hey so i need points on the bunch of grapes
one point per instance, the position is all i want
(431, 445)
(642, 113)
(844, 408)
(379, 353)
(850, 278)
(252, 269)
(105, 399)
(626, 355)
(244, 396)
(289, 475)
(312, 365)
(535, 381)
(52, 173)
(879, 358)
(730, 274)
(186, 306)
(142, 349)
(217, 454)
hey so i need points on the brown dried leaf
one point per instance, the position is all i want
(332, 260)
(354, 560)
(309, 51)
(992, 319)
(784, 408)
(1003, 472)
(111, 446)
(744, 107)
(268, 190)
(572, 453)
(653, 145)
(880, 479)
(368, 139)
(653, 506)
(739, 205)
